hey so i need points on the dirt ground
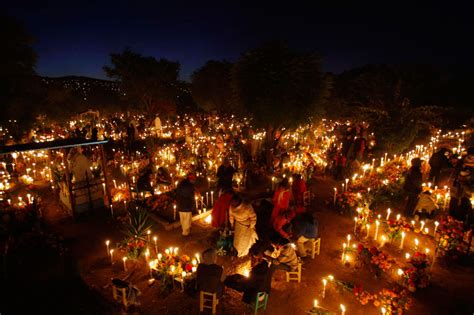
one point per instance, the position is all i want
(450, 291)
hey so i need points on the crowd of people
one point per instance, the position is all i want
(455, 171)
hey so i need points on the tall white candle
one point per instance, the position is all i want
(403, 239)
(377, 223)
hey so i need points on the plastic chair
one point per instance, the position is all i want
(294, 275)
(208, 300)
(315, 247)
(260, 301)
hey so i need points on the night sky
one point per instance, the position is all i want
(75, 38)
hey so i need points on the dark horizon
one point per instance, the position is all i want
(75, 39)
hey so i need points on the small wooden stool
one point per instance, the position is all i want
(315, 247)
(208, 300)
(119, 291)
(294, 275)
(260, 301)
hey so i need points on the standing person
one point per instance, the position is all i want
(412, 185)
(185, 202)
(242, 219)
(209, 275)
(438, 161)
(298, 189)
(281, 199)
(305, 228)
(224, 175)
(220, 211)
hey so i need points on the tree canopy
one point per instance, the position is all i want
(145, 81)
(279, 87)
(210, 86)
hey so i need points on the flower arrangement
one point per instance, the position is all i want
(394, 301)
(416, 276)
(159, 202)
(378, 260)
(394, 228)
(451, 242)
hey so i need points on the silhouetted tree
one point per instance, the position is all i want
(18, 83)
(145, 81)
(210, 86)
(279, 87)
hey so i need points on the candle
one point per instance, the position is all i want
(112, 210)
(407, 256)
(107, 243)
(416, 244)
(343, 309)
(388, 214)
(355, 224)
(174, 212)
(335, 194)
(377, 223)
(398, 217)
(207, 198)
(348, 240)
(115, 183)
(196, 199)
(212, 197)
(325, 282)
(315, 303)
(151, 264)
(111, 256)
(198, 259)
(436, 227)
(383, 240)
(347, 183)
(148, 232)
(343, 251)
(383, 310)
(156, 247)
(124, 263)
(422, 225)
(403, 239)
(367, 226)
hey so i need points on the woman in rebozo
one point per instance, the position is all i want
(242, 219)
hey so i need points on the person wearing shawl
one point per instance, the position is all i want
(281, 199)
(220, 211)
(242, 219)
(298, 189)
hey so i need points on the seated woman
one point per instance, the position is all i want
(283, 255)
(281, 224)
(305, 228)
(210, 276)
(259, 279)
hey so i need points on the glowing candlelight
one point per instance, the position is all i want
(347, 183)
(400, 272)
(156, 247)
(398, 217)
(403, 239)
(115, 183)
(148, 234)
(343, 309)
(325, 282)
(377, 223)
(198, 259)
(124, 259)
(383, 310)
(335, 194)
(315, 305)
(344, 245)
(111, 256)
(355, 224)
(159, 256)
(416, 244)
(367, 226)
(407, 256)
(383, 240)
(388, 214)
(107, 243)
(436, 226)
(348, 240)
(212, 197)
(147, 254)
(422, 225)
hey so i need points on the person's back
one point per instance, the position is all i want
(413, 180)
(305, 225)
(208, 278)
(185, 196)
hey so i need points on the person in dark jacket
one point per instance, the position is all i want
(185, 202)
(224, 175)
(412, 185)
(438, 161)
(259, 278)
(209, 275)
(305, 229)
